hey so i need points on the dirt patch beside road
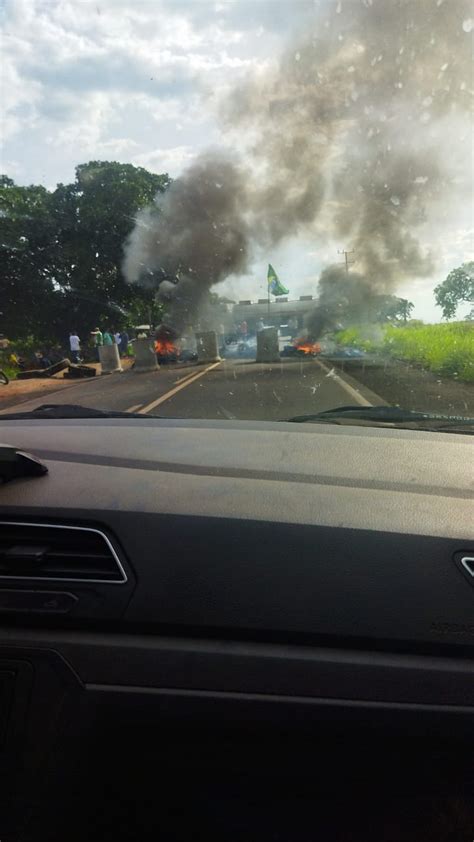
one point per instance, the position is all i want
(410, 387)
(20, 391)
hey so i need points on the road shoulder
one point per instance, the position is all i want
(409, 386)
(356, 391)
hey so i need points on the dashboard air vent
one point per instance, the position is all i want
(57, 553)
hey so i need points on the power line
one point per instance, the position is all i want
(346, 258)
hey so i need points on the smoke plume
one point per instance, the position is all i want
(346, 136)
(196, 232)
(341, 295)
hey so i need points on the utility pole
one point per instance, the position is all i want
(346, 258)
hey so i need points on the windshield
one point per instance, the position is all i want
(237, 209)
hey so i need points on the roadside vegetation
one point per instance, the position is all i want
(6, 366)
(446, 349)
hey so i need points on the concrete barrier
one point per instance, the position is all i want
(109, 359)
(145, 356)
(206, 346)
(267, 345)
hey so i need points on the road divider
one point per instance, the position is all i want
(149, 406)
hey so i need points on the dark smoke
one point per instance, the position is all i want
(348, 137)
(196, 231)
(342, 296)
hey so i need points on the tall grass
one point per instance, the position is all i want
(446, 349)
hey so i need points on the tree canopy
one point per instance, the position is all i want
(61, 251)
(390, 308)
(455, 289)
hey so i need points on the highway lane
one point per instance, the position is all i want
(232, 389)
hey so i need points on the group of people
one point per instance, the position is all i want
(99, 338)
(26, 360)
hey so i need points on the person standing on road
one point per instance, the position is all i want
(117, 338)
(124, 340)
(260, 325)
(244, 329)
(75, 346)
(98, 340)
(108, 338)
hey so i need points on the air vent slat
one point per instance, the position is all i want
(68, 553)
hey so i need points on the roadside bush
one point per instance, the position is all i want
(446, 349)
(366, 337)
(6, 366)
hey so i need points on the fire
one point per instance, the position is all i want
(165, 347)
(307, 347)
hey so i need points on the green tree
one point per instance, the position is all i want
(27, 247)
(95, 216)
(61, 251)
(390, 308)
(456, 288)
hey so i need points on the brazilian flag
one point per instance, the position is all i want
(275, 286)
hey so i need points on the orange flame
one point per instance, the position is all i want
(164, 347)
(308, 347)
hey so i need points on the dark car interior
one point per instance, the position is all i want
(266, 634)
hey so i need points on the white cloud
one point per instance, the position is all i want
(138, 81)
(113, 77)
(171, 160)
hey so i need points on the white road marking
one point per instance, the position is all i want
(185, 377)
(342, 383)
(227, 414)
(133, 408)
(178, 388)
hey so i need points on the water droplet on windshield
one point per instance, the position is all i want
(395, 200)
(468, 25)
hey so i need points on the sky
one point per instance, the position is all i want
(141, 83)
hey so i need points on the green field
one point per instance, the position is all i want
(446, 349)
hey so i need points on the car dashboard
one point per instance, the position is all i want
(235, 593)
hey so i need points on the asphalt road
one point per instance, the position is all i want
(232, 389)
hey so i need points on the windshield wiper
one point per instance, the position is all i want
(393, 415)
(69, 410)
